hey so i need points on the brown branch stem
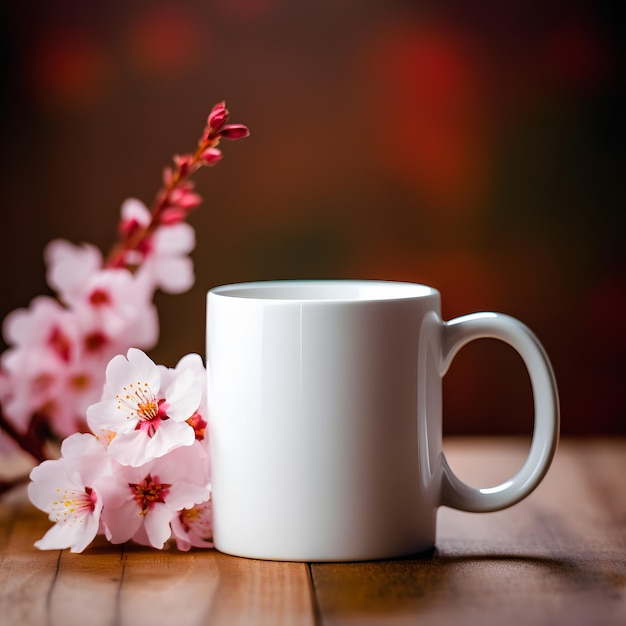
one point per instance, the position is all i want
(29, 442)
(160, 203)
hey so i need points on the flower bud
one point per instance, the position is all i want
(183, 162)
(211, 156)
(185, 198)
(234, 131)
(218, 116)
(173, 215)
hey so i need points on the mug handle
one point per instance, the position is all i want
(460, 331)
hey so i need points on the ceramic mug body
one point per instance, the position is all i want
(325, 418)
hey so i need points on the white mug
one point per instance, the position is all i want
(325, 417)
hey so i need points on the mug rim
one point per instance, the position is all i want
(324, 290)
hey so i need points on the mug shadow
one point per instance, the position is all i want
(434, 581)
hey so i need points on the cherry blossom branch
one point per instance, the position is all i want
(31, 441)
(174, 202)
(7, 485)
(50, 329)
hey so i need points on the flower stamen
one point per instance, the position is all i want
(60, 344)
(149, 492)
(199, 424)
(99, 297)
(141, 404)
(73, 505)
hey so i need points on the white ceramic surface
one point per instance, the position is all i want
(325, 417)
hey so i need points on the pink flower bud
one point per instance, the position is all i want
(190, 201)
(211, 156)
(234, 131)
(173, 215)
(218, 116)
(184, 163)
(127, 227)
(185, 198)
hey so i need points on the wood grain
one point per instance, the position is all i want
(557, 558)
(135, 586)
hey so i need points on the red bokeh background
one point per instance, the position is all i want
(476, 147)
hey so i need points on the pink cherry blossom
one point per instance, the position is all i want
(141, 502)
(191, 363)
(199, 419)
(78, 388)
(111, 300)
(45, 392)
(149, 446)
(44, 325)
(69, 267)
(45, 347)
(194, 527)
(116, 302)
(66, 489)
(149, 419)
(162, 260)
(54, 365)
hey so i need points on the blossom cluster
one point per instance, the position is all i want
(142, 473)
(59, 346)
(54, 368)
(134, 463)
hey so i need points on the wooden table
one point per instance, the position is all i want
(559, 557)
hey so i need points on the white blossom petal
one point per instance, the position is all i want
(169, 436)
(184, 394)
(74, 536)
(133, 209)
(175, 240)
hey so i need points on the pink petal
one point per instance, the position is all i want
(174, 240)
(218, 116)
(169, 436)
(135, 210)
(130, 448)
(47, 477)
(183, 395)
(28, 326)
(234, 132)
(211, 156)
(76, 536)
(81, 445)
(157, 525)
(174, 275)
(141, 331)
(185, 495)
(104, 415)
(135, 367)
(122, 523)
(70, 266)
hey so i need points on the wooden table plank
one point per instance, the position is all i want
(132, 585)
(26, 579)
(261, 592)
(90, 580)
(557, 558)
(141, 586)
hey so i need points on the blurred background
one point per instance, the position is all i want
(478, 147)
